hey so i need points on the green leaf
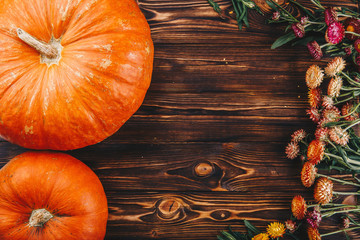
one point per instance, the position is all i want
(228, 236)
(273, 6)
(307, 12)
(251, 227)
(215, 6)
(283, 40)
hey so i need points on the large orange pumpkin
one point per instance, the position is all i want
(48, 196)
(71, 71)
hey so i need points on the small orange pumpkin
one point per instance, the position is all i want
(47, 196)
(71, 72)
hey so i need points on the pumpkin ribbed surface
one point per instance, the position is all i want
(58, 184)
(97, 83)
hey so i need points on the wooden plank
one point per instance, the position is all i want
(197, 215)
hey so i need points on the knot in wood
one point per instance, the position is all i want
(204, 169)
(169, 208)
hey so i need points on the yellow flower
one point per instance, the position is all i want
(276, 229)
(261, 236)
(314, 76)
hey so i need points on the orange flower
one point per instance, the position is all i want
(346, 110)
(315, 151)
(261, 236)
(308, 174)
(334, 86)
(335, 66)
(276, 229)
(298, 207)
(323, 191)
(314, 76)
(313, 233)
(315, 97)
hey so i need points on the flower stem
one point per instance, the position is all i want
(339, 180)
(346, 193)
(340, 231)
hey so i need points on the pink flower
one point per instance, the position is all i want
(298, 29)
(314, 50)
(276, 15)
(330, 16)
(313, 218)
(314, 114)
(304, 20)
(335, 33)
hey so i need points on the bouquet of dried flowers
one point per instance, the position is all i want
(334, 146)
(324, 30)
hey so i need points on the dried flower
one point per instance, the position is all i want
(330, 15)
(335, 66)
(261, 236)
(308, 174)
(313, 218)
(292, 150)
(315, 151)
(327, 102)
(304, 20)
(334, 86)
(335, 33)
(315, 97)
(314, 76)
(298, 135)
(298, 207)
(347, 51)
(298, 30)
(276, 229)
(314, 114)
(290, 225)
(346, 111)
(330, 115)
(313, 233)
(357, 45)
(314, 50)
(345, 222)
(339, 136)
(323, 191)
(322, 134)
(275, 15)
(352, 25)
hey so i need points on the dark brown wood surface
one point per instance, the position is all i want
(206, 149)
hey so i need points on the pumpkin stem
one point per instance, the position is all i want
(39, 217)
(43, 48)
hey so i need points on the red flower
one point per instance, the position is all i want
(314, 114)
(330, 16)
(276, 16)
(352, 25)
(314, 50)
(357, 45)
(335, 33)
(298, 29)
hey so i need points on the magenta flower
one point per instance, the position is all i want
(314, 50)
(298, 29)
(330, 16)
(335, 33)
(313, 218)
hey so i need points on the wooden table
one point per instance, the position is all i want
(206, 149)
